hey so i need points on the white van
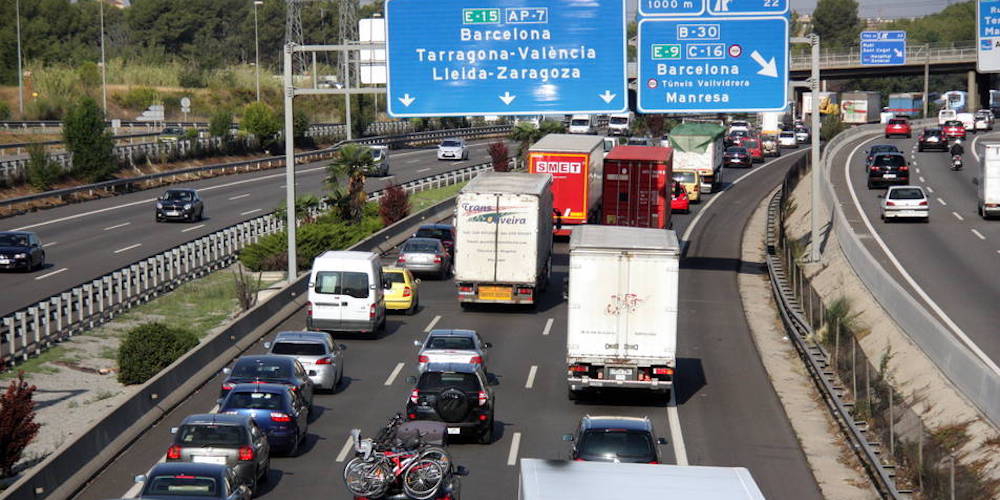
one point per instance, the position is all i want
(968, 121)
(945, 115)
(619, 123)
(346, 293)
(581, 124)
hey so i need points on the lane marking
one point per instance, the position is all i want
(922, 180)
(978, 234)
(53, 273)
(942, 202)
(120, 250)
(548, 326)
(430, 326)
(415, 160)
(50, 244)
(348, 446)
(116, 227)
(515, 443)
(199, 226)
(231, 198)
(906, 276)
(929, 189)
(423, 170)
(531, 377)
(394, 374)
(957, 216)
(673, 418)
(918, 170)
(248, 212)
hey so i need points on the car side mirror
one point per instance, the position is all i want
(417, 343)
(173, 430)
(342, 347)
(386, 285)
(411, 380)
(461, 470)
(219, 401)
(487, 345)
(139, 478)
(417, 281)
(227, 370)
(267, 345)
(661, 440)
(567, 437)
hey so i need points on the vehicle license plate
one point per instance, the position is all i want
(201, 459)
(496, 292)
(173, 213)
(620, 373)
(4, 261)
(889, 176)
(454, 430)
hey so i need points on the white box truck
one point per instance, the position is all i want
(503, 222)
(560, 479)
(619, 123)
(700, 146)
(622, 325)
(860, 107)
(989, 182)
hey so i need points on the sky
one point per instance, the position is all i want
(884, 8)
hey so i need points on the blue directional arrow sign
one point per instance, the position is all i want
(688, 8)
(716, 64)
(988, 35)
(505, 57)
(883, 48)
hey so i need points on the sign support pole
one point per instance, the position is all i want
(290, 163)
(927, 74)
(816, 128)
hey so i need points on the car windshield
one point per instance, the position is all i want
(436, 381)
(394, 277)
(906, 194)
(172, 130)
(419, 247)
(433, 232)
(580, 121)
(618, 120)
(883, 148)
(889, 160)
(735, 150)
(13, 240)
(254, 401)
(181, 485)
(178, 196)
(615, 443)
(205, 435)
(252, 368)
(459, 343)
(376, 154)
(298, 348)
(685, 177)
(801, 131)
(451, 144)
(342, 283)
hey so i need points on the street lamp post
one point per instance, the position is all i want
(256, 44)
(104, 64)
(20, 75)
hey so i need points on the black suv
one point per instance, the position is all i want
(21, 250)
(457, 394)
(878, 149)
(180, 204)
(888, 168)
(932, 138)
(615, 439)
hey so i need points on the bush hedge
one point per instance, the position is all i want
(149, 348)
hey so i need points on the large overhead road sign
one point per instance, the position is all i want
(688, 8)
(713, 64)
(505, 57)
(988, 20)
(883, 48)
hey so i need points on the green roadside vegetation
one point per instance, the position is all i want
(424, 199)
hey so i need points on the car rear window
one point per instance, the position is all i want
(953, 123)
(450, 343)
(253, 369)
(610, 444)
(299, 348)
(182, 485)
(750, 144)
(787, 134)
(897, 122)
(211, 435)
(686, 177)
(736, 150)
(419, 247)
(342, 283)
(884, 149)
(394, 277)
(450, 144)
(433, 232)
(889, 161)
(255, 401)
(437, 381)
(906, 194)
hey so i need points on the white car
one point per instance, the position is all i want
(453, 149)
(452, 346)
(739, 125)
(802, 135)
(787, 139)
(905, 202)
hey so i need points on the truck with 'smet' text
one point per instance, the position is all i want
(503, 227)
(576, 164)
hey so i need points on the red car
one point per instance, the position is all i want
(679, 201)
(954, 129)
(754, 148)
(898, 126)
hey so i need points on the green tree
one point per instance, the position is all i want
(221, 123)
(43, 172)
(260, 120)
(353, 160)
(4, 111)
(87, 137)
(525, 134)
(300, 125)
(837, 23)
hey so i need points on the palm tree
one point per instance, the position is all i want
(353, 160)
(525, 133)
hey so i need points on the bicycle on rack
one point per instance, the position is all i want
(383, 462)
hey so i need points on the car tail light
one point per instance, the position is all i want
(437, 259)
(579, 460)
(293, 388)
(654, 462)
(183, 476)
(174, 452)
(246, 453)
(279, 417)
(414, 396)
(324, 361)
(407, 291)
(401, 260)
(371, 311)
(663, 371)
(874, 168)
(904, 168)
(483, 417)
(476, 360)
(483, 397)
(890, 203)
(412, 416)
(577, 368)
(423, 359)
(923, 203)
(309, 308)
(228, 386)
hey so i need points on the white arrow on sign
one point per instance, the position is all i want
(899, 53)
(407, 100)
(507, 98)
(767, 68)
(607, 96)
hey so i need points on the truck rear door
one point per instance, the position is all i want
(647, 304)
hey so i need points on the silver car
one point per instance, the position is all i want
(905, 202)
(452, 149)
(224, 439)
(322, 359)
(452, 346)
(425, 256)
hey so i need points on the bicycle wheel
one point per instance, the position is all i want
(422, 479)
(367, 479)
(439, 455)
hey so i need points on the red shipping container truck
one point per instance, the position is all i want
(636, 188)
(574, 162)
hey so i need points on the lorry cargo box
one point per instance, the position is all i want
(636, 190)
(699, 146)
(575, 163)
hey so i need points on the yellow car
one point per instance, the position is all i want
(691, 180)
(404, 295)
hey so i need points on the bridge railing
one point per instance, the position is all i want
(953, 52)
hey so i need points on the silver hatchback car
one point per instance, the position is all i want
(452, 346)
(322, 359)
(218, 438)
(425, 256)
(905, 202)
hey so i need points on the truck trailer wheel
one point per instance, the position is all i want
(572, 395)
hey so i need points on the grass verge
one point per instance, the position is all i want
(424, 199)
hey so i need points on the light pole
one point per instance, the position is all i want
(104, 64)
(20, 75)
(256, 44)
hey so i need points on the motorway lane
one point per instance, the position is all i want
(954, 257)
(729, 414)
(84, 241)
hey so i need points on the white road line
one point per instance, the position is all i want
(430, 326)
(957, 216)
(248, 212)
(50, 244)
(53, 273)
(942, 202)
(918, 170)
(531, 377)
(192, 228)
(395, 373)
(906, 276)
(415, 160)
(120, 250)
(515, 443)
(116, 227)
(244, 195)
(348, 446)
(978, 234)
(677, 438)
(548, 326)
(922, 180)
(929, 189)
(423, 170)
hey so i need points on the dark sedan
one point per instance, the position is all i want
(888, 168)
(932, 138)
(180, 204)
(737, 156)
(21, 250)
(615, 439)
(192, 481)
(269, 369)
(878, 149)
(275, 408)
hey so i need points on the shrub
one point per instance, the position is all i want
(221, 123)
(17, 423)
(260, 120)
(499, 156)
(41, 108)
(42, 171)
(4, 111)
(138, 98)
(394, 204)
(832, 125)
(149, 348)
(89, 75)
(191, 133)
(87, 136)
(191, 76)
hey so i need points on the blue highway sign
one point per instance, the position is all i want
(988, 34)
(689, 8)
(505, 57)
(712, 64)
(880, 48)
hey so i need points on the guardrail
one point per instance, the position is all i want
(20, 204)
(30, 330)
(959, 52)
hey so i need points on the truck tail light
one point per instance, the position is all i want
(465, 290)
(371, 312)
(663, 371)
(174, 452)
(414, 396)
(483, 397)
(525, 291)
(578, 368)
(246, 453)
